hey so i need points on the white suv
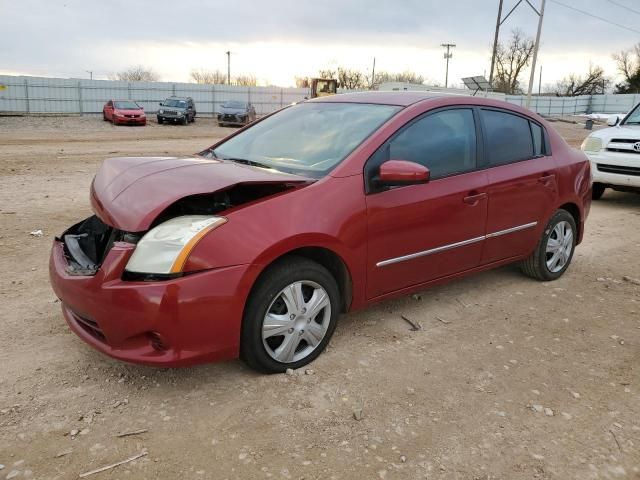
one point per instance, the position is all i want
(615, 154)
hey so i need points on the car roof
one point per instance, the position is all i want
(403, 98)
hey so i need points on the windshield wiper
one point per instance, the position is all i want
(244, 161)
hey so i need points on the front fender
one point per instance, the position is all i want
(330, 214)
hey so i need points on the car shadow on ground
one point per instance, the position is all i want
(441, 298)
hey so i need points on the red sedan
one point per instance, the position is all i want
(253, 247)
(123, 112)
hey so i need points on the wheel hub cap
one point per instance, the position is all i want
(296, 321)
(559, 246)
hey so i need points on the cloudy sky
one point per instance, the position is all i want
(278, 39)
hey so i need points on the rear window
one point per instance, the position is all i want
(509, 137)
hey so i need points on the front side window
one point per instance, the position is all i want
(509, 137)
(444, 142)
(307, 139)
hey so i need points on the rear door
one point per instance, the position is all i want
(423, 232)
(523, 188)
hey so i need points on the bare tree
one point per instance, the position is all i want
(136, 73)
(404, 77)
(348, 78)
(351, 79)
(511, 59)
(245, 80)
(628, 63)
(302, 82)
(327, 73)
(593, 83)
(208, 76)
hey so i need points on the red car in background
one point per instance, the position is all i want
(123, 112)
(255, 246)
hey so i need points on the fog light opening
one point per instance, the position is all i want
(158, 342)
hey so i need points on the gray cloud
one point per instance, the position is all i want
(63, 35)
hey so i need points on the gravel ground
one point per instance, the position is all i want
(509, 378)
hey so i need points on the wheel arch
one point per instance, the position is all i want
(575, 212)
(326, 257)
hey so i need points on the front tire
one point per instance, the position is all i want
(597, 191)
(290, 316)
(554, 251)
(160, 120)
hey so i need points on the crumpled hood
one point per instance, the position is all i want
(130, 192)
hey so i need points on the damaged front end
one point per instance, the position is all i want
(87, 243)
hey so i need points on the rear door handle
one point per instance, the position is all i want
(474, 198)
(547, 178)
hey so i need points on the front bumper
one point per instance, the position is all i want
(172, 118)
(233, 119)
(130, 121)
(615, 169)
(195, 318)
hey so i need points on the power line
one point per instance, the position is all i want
(595, 16)
(624, 6)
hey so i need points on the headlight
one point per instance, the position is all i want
(179, 114)
(591, 144)
(165, 248)
(160, 111)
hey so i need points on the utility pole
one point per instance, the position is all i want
(373, 74)
(495, 43)
(90, 72)
(229, 67)
(447, 56)
(535, 51)
(540, 80)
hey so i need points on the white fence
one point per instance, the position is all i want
(560, 106)
(37, 95)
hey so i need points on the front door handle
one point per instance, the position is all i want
(473, 198)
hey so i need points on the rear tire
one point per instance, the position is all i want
(282, 296)
(597, 191)
(554, 251)
(104, 116)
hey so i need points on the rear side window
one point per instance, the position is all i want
(509, 137)
(538, 139)
(444, 142)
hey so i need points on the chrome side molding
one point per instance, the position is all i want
(450, 246)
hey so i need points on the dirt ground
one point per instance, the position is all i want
(517, 380)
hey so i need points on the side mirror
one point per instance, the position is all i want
(613, 120)
(162, 104)
(402, 172)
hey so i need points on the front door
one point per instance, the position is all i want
(423, 232)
